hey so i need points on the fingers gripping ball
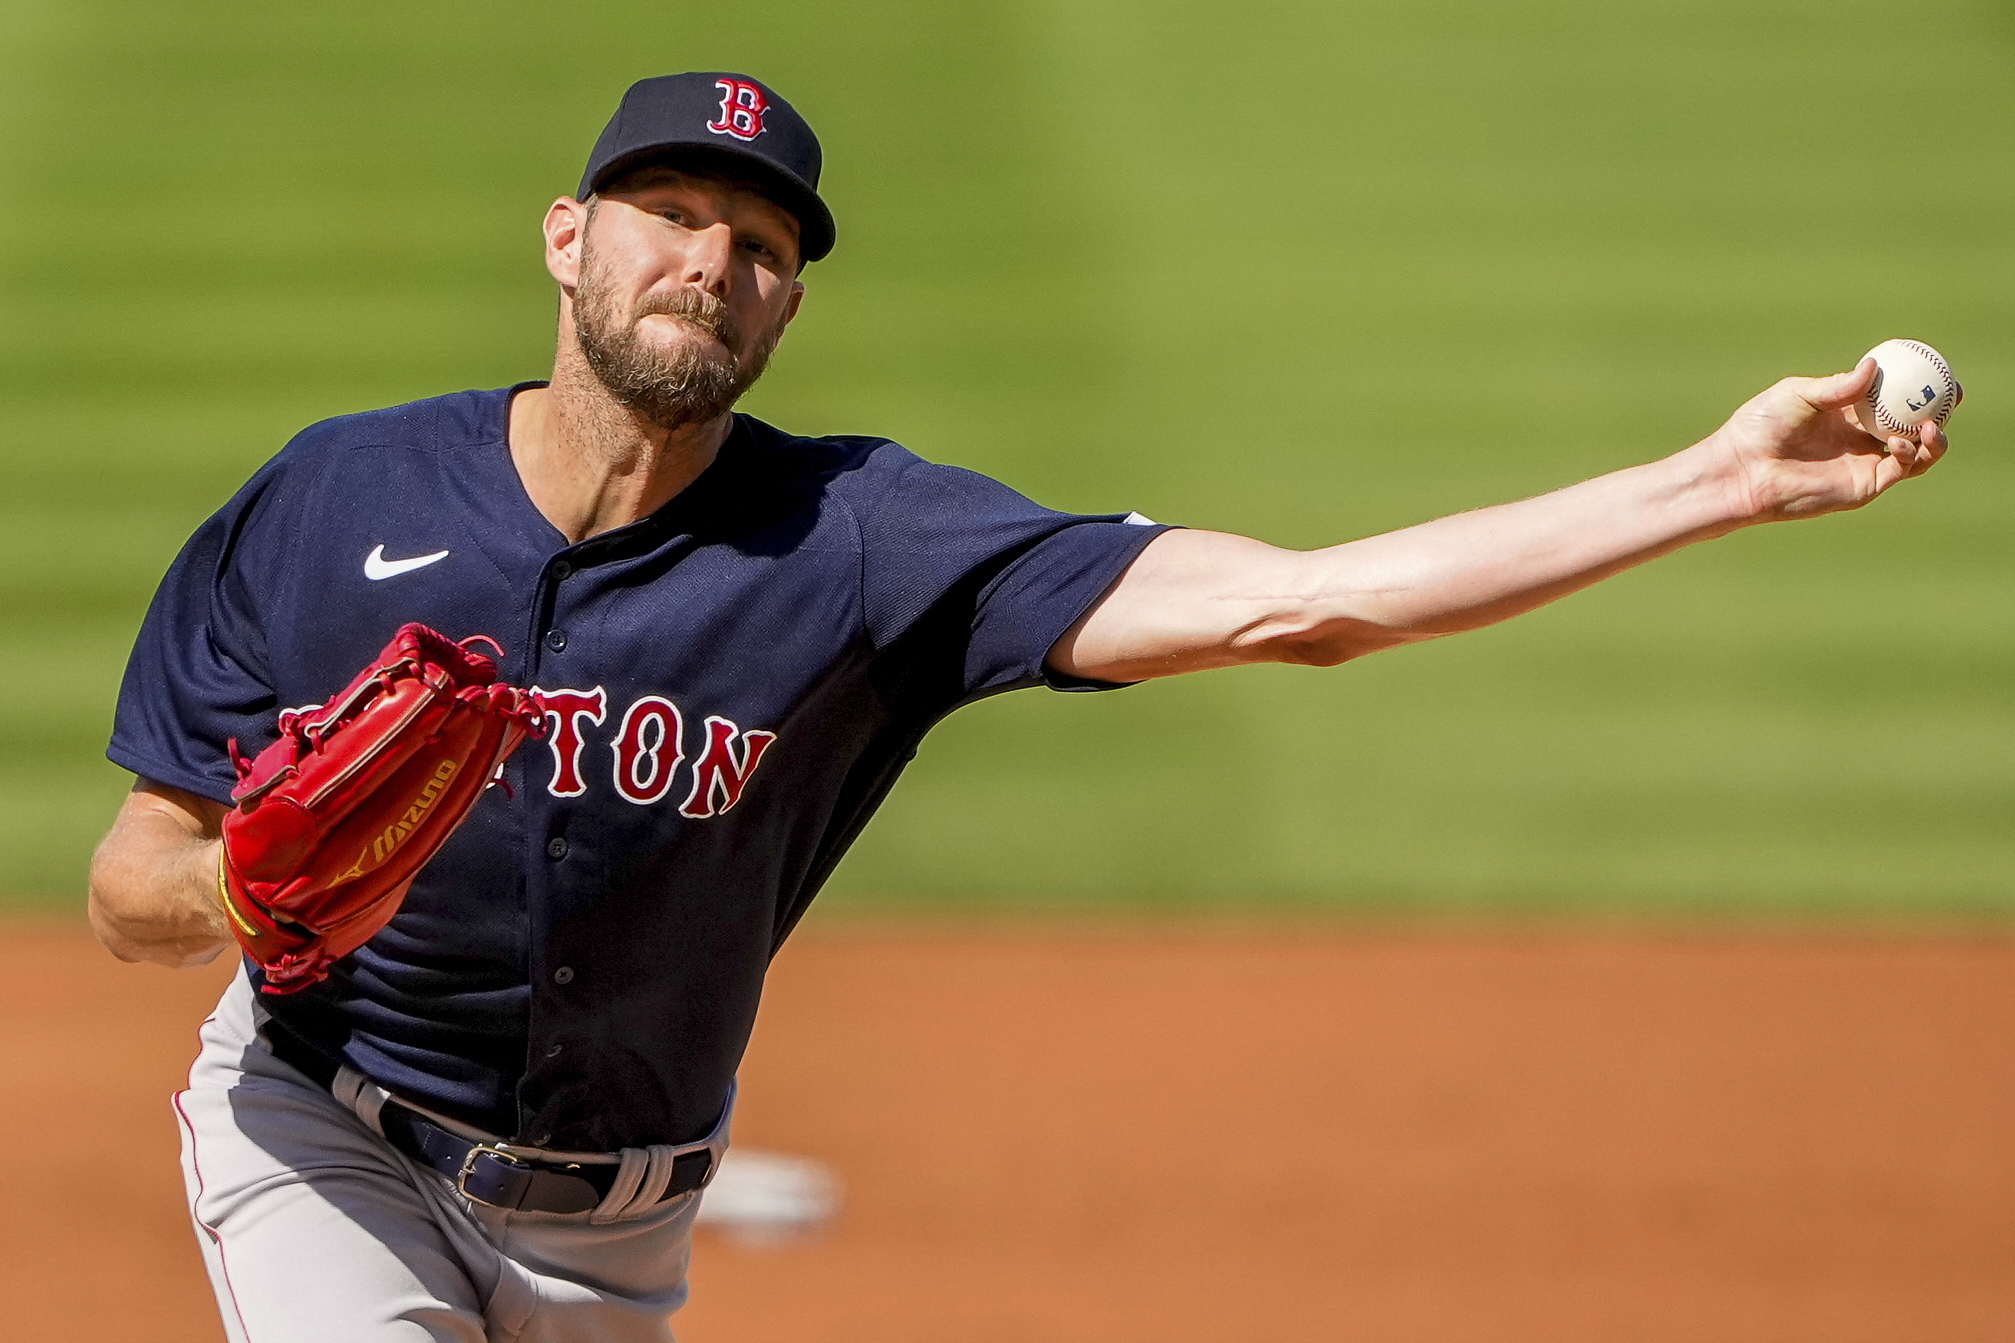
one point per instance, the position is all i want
(1913, 387)
(335, 819)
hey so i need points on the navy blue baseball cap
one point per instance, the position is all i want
(725, 123)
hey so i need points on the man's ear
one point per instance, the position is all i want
(791, 306)
(566, 227)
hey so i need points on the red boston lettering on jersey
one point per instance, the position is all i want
(564, 711)
(648, 750)
(723, 771)
(649, 747)
(742, 108)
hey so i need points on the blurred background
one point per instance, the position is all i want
(1302, 270)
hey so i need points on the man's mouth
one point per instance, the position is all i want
(696, 323)
(713, 323)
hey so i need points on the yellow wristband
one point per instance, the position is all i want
(230, 905)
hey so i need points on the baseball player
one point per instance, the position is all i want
(476, 1096)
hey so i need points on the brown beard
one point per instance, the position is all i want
(692, 382)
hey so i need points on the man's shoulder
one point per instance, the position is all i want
(829, 455)
(438, 423)
(864, 469)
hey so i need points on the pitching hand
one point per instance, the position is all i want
(1795, 452)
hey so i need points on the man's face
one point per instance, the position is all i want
(683, 289)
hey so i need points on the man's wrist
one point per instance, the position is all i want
(1719, 491)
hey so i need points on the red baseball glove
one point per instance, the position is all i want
(334, 820)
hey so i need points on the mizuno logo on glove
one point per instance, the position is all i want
(395, 834)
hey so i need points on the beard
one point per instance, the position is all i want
(690, 383)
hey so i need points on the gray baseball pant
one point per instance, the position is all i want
(316, 1230)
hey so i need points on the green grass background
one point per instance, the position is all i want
(1306, 269)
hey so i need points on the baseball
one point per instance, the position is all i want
(1913, 385)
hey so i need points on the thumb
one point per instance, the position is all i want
(1841, 389)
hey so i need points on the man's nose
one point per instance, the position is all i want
(709, 252)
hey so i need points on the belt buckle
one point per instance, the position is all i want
(477, 1151)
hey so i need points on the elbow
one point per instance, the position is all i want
(1314, 643)
(134, 940)
(130, 920)
(1313, 652)
(107, 903)
(110, 937)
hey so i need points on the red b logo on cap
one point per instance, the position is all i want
(742, 108)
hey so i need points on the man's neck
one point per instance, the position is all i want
(591, 464)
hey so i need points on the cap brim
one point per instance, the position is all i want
(816, 230)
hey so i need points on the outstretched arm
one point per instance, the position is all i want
(1195, 600)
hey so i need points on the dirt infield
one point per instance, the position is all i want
(1292, 1135)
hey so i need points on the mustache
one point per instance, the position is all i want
(697, 306)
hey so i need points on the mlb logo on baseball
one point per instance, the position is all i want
(1913, 386)
(742, 108)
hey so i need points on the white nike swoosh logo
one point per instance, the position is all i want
(377, 568)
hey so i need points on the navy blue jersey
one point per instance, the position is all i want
(734, 684)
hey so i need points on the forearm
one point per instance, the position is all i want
(1475, 569)
(1196, 600)
(154, 888)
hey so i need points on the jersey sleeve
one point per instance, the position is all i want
(198, 676)
(980, 582)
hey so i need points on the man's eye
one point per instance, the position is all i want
(759, 248)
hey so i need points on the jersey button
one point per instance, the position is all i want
(564, 975)
(553, 1051)
(562, 572)
(556, 847)
(556, 640)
